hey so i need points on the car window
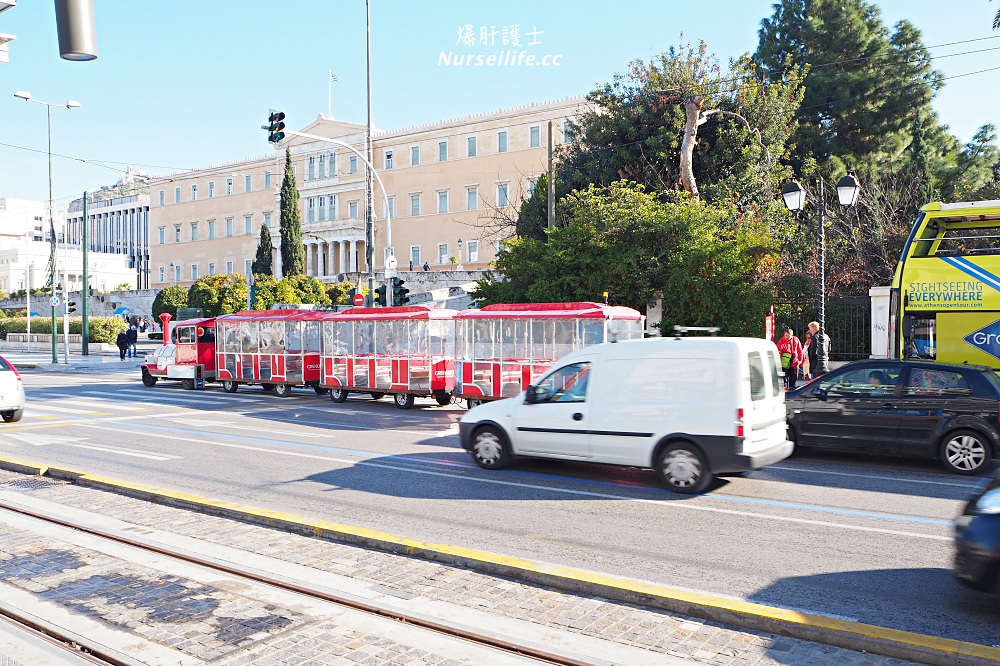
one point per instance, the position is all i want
(993, 379)
(776, 383)
(566, 384)
(758, 388)
(861, 382)
(934, 382)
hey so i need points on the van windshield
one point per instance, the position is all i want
(758, 388)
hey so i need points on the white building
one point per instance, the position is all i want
(19, 257)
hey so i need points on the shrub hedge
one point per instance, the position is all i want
(102, 329)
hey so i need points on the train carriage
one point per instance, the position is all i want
(187, 355)
(500, 349)
(405, 351)
(278, 349)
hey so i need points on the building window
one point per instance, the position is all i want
(162, 235)
(267, 180)
(471, 198)
(332, 202)
(442, 151)
(177, 195)
(568, 135)
(352, 210)
(177, 233)
(502, 141)
(211, 189)
(229, 267)
(311, 209)
(162, 274)
(333, 164)
(442, 253)
(473, 252)
(535, 137)
(414, 155)
(267, 220)
(352, 166)
(211, 229)
(163, 195)
(321, 215)
(194, 231)
(229, 227)
(472, 146)
(194, 271)
(442, 202)
(248, 224)
(247, 183)
(194, 192)
(392, 208)
(211, 268)
(388, 160)
(311, 171)
(177, 273)
(503, 195)
(229, 187)
(414, 205)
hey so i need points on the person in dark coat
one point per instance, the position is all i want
(818, 351)
(131, 336)
(122, 342)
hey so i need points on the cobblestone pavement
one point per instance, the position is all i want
(220, 626)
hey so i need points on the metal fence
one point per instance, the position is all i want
(848, 323)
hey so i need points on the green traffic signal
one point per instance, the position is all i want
(399, 292)
(380, 295)
(70, 307)
(274, 127)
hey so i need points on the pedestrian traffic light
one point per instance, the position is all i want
(275, 125)
(399, 292)
(70, 307)
(380, 295)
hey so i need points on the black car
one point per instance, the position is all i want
(977, 540)
(904, 408)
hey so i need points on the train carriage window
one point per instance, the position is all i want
(562, 337)
(271, 337)
(620, 330)
(293, 337)
(442, 338)
(483, 339)
(185, 335)
(515, 339)
(462, 339)
(417, 341)
(592, 331)
(249, 336)
(363, 341)
(345, 337)
(336, 337)
(230, 337)
(312, 337)
(541, 339)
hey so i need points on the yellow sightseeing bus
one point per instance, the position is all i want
(945, 296)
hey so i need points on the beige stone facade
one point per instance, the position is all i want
(445, 183)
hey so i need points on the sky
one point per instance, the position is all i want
(183, 84)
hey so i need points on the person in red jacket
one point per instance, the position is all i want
(790, 349)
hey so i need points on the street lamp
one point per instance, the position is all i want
(70, 104)
(794, 197)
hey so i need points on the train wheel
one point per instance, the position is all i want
(443, 399)
(473, 403)
(267, 387)
(229, 386)
(282, 390)
(338, 395)
(376, 395)
(148, 379)
(320, 390)
(187, 384)
(403, 400)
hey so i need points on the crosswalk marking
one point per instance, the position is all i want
(128, 452)
(56, 409)
(65, 399)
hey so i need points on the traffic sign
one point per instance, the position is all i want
(359, 299)
(53, 301)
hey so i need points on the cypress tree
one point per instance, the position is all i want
(293, 255)
(262, 262)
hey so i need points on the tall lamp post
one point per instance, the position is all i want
(70, 104)
(794, 196)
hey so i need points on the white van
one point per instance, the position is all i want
(689, 408)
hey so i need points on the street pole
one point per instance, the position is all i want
(27, 301)
(52, 244)
(369, 227)
(65, 294)
(822, 260)
(85, 293)
(551, 207)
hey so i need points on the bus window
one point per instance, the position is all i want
(921, 339)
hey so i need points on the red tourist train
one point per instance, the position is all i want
(407, 351)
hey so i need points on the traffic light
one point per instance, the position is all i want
(380, 295)
(399, 292)
(275, 125)
(70, 307)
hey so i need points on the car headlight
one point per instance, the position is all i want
(989, 502)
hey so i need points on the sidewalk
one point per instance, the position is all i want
(39, 358)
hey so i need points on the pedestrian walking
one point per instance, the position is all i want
(427, 266)
(818, 351)
(131, 336)
(122, 342)
(790, 349)
(804, 371)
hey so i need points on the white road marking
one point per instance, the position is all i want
(128, 452)
(877, 477)
(89, 402)
(41, 439)
(56, 409)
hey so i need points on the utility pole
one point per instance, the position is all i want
(551, 208)
(85, 294)
(369, 226)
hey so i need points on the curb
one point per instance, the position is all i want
(805, 626)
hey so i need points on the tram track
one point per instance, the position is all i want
(94, 652)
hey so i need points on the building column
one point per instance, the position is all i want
(344, 266)
(321, 259)
(309, 259)
(277, 260)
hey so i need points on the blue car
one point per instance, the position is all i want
(977, 540)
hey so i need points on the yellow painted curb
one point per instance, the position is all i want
(852, 635)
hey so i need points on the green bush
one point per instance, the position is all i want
(155, 336)
(102, 329)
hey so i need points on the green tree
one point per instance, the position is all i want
(267, 291)
(262, 262)
(168, 300)
(307, 289)
(532, 218)
(293, 256)
(219, 294)
(339, 293)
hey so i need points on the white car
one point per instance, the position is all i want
(11, 392)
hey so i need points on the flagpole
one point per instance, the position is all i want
(329, 96)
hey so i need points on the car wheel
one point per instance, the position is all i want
(319, 390)
(470, 403)
(187, 384)
(229, 386)
(489, 448)
(965, 452)
(376, 396)
(13, 416)
(403, 400)
(282, 390)
(148, 379)
(338, 395)
(683, 469)
(267, 387)
(443, 399)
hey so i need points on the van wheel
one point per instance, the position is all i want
(965, 452)
(403, 400)
(443, 399)
(229, 386)
(338, 395)
(187, 384)
(282, 390)
(13, 416)
(683, 469)
(489, 448)
(148, 379)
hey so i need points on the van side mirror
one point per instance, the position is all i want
(530, 394)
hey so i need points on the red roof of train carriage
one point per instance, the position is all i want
(193, 322)
(277, 315)
(575, 310)
(397, 312)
